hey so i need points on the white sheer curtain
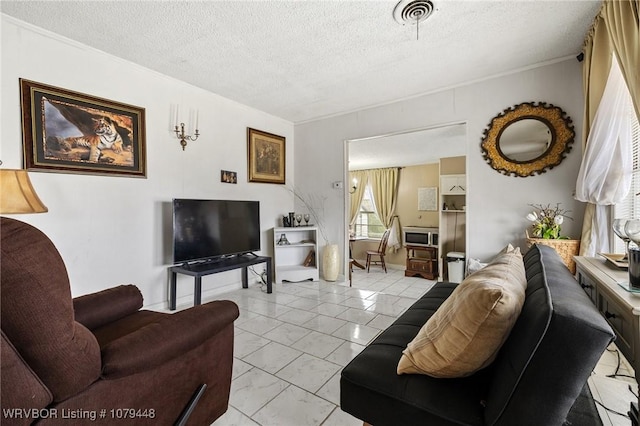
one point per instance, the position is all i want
(605, 173)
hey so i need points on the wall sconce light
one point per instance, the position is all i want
(181, 133)
(354, 186)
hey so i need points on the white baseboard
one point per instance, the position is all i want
(186, 301)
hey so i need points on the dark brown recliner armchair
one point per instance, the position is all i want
(100, 355)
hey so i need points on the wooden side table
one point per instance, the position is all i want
(422, 261)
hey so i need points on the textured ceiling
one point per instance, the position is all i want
(303, 60)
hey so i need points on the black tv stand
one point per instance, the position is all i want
(201, 269)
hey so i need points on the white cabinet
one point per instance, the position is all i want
(453, 184)
(296, 254)
(453, 190)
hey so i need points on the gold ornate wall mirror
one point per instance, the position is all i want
(528, 138)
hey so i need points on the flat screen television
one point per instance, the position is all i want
(209, 229)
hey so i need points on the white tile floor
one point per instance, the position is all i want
(291, 345)
(613, 387)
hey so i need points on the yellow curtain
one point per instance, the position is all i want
(623, 25)
(615, 31)
(384, 185)
(595, 70)
(355, 198)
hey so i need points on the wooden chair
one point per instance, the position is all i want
(382, 249)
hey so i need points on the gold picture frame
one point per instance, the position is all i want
(266, 157)
(70, 132)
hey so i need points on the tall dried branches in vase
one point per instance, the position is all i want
(330, 252)
(313, 204)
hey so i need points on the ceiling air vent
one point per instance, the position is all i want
(412, 11)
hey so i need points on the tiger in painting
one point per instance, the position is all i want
(105, 137)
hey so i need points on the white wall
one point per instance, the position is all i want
(112, 230)
(496, 204)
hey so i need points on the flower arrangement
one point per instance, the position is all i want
(547, 220)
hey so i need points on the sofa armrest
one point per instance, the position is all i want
(97, 309)
(165, 339)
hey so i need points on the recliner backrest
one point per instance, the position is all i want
(37, 312)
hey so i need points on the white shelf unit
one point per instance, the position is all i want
(289, 259)
(453, 193)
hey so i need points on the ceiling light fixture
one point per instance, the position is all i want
(413, 12)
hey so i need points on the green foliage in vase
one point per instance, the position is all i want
(547, 221)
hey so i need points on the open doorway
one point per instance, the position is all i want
(417, 154)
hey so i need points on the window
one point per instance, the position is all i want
(630, 206)
(368, 223)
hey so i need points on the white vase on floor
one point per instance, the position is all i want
(330, 262)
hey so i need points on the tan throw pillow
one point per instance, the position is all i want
(474, 265)
(466, 332)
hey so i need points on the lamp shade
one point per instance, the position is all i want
(17, 195)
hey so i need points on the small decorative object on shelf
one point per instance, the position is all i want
(546, 230)
(310, 260)
(283, 240)
(632, 231)
(293, 218)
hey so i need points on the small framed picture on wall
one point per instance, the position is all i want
(266, 157)
(228, 177)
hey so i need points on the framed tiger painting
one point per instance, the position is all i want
(70, 132)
